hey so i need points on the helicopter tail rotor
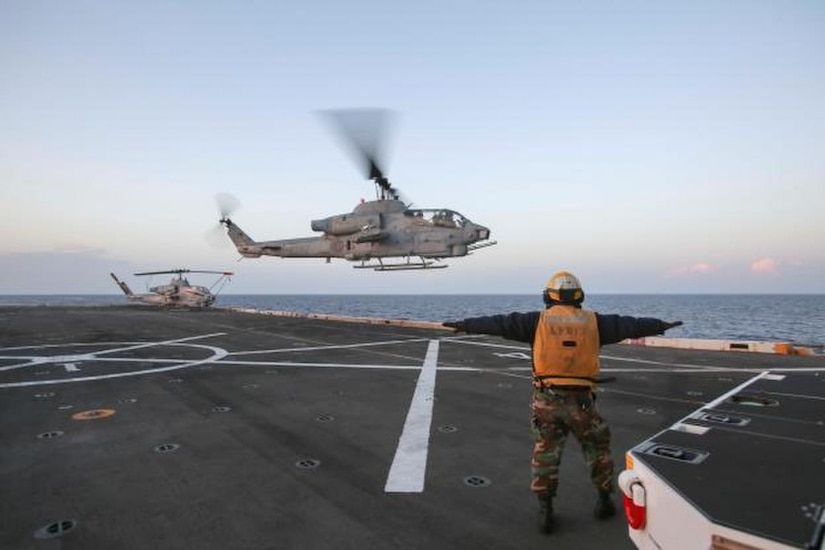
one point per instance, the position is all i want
(227, 204)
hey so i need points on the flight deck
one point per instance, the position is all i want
(136, 427)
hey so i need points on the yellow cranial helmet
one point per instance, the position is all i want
(563, 288)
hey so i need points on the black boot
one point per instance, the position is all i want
(545, 513)
(605, 509)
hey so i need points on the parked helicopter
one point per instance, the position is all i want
(178, 293)
(375, 230)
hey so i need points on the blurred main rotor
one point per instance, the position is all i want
(364, 133)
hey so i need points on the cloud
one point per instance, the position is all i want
(765, 265)
(699, 267)
(74, 248)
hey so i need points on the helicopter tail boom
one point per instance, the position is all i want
(123, 286)
(243, 242)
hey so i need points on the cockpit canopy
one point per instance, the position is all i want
(441, 217)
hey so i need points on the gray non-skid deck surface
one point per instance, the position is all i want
(284, 432)
(779, 450)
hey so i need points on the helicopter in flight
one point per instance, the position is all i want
(376, 230)
(178, 293)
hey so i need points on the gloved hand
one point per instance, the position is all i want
(458, 326)
(668, 326)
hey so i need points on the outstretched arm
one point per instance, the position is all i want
(514, 326)
(615, 328)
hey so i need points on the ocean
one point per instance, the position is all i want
(797, 318)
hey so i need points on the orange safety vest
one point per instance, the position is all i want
(566, 347)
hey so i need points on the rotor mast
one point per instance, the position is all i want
(383, 189)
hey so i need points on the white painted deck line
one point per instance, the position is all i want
(410, 463)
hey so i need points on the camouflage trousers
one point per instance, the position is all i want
(556, 413)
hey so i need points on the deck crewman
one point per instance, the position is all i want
(565, 341)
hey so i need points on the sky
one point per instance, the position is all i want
(646, 146)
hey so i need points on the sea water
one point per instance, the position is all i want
(798, 318)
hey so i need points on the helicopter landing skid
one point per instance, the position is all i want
(381, 266)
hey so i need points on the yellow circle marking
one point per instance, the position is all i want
(93, 414)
